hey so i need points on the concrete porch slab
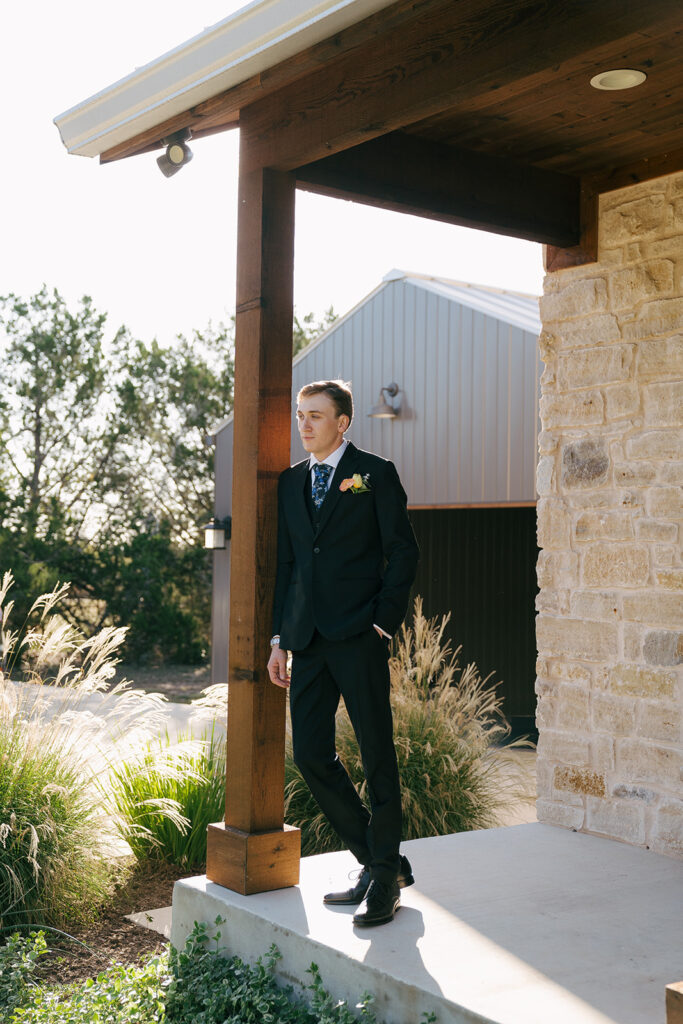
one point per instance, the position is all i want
(524, 925)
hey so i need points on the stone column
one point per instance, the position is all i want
(610, 572)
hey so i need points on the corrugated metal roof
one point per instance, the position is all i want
(514, 308)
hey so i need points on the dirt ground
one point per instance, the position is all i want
(91, 949)
(179, 683)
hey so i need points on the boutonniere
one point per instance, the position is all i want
(357, 484)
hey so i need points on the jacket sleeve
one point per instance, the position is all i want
(285, 561)
(400, 551)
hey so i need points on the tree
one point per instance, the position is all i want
(308, 328)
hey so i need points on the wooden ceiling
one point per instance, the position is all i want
(430, 102)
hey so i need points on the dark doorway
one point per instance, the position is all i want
(480, 564)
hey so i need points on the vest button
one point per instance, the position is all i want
(316, 551)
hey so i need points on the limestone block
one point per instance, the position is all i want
(642, 761)
(570, 671)
(587, 367)
(556, 568)
(573, 709)
(670, 579)
(633, 285)
(669, 828)
(546, 711)
(665, 502)
(599, 329)
(663, 316)
(587, 604)
(663, 404)
(663, 555)
(660, 359)
(548, 600)
(663, 647)
(626, 792)
(616, 565)
(615, 715)
(634, 474)
(545, 470)
(658, 721)
(632, 638)
(547, 442)
(670, 473)
(656, 530)
(585, 463)
(586, 408)
(656, 444)
(639, 681)
(654, 608)
(553, 523)
(635, 220)
(561, 747)
(579, 780)
(576, 299)
(604, 525)
(621, 400)
(551, 813)
(576, 638)
(616, 819)
(603, 756)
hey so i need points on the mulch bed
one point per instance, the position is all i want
(112, 939)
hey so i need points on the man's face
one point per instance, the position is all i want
(320, 429)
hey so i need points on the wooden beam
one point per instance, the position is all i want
(448, 54)
(252, 851)
(586, 251)
(412, 175)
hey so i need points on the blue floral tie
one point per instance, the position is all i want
(321, 474)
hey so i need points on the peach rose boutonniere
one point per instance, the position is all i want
(357, 484)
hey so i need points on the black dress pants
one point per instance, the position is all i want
(356, 669)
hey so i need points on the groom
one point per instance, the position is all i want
(347, 557)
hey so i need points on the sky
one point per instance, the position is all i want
(157, 254)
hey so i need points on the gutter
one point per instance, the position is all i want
(248, 42)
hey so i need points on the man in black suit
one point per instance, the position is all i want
(347, 557)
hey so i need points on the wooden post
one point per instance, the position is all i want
(253, 851)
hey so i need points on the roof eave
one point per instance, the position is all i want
(255, 38)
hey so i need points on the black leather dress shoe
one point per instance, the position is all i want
(379, 906)
(355, 895)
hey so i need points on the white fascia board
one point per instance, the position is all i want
(255, 38)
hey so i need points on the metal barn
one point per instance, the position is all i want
(463, 438)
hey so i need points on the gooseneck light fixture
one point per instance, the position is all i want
(384, 411)
(177, 154)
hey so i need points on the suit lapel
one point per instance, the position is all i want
(300, 481)
(346, 467)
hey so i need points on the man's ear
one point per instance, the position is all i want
(343, 423)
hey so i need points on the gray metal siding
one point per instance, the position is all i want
(470, 382)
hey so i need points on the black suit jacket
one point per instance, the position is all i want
(357, 568)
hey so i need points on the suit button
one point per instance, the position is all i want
(316, 551)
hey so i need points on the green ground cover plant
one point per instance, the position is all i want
(456, 770)
(197, 985)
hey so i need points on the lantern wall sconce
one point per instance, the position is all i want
(382, 410)
(217, 532)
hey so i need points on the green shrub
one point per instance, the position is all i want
(193, 787)
(449, 732)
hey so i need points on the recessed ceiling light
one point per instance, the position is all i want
(620, 78)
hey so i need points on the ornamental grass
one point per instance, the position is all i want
(63, 730)
(458, 770)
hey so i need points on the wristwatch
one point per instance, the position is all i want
(275, 641)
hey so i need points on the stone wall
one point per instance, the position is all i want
(610, 572)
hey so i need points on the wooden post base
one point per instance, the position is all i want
(250, 862)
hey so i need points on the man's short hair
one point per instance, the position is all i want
(338, 390)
